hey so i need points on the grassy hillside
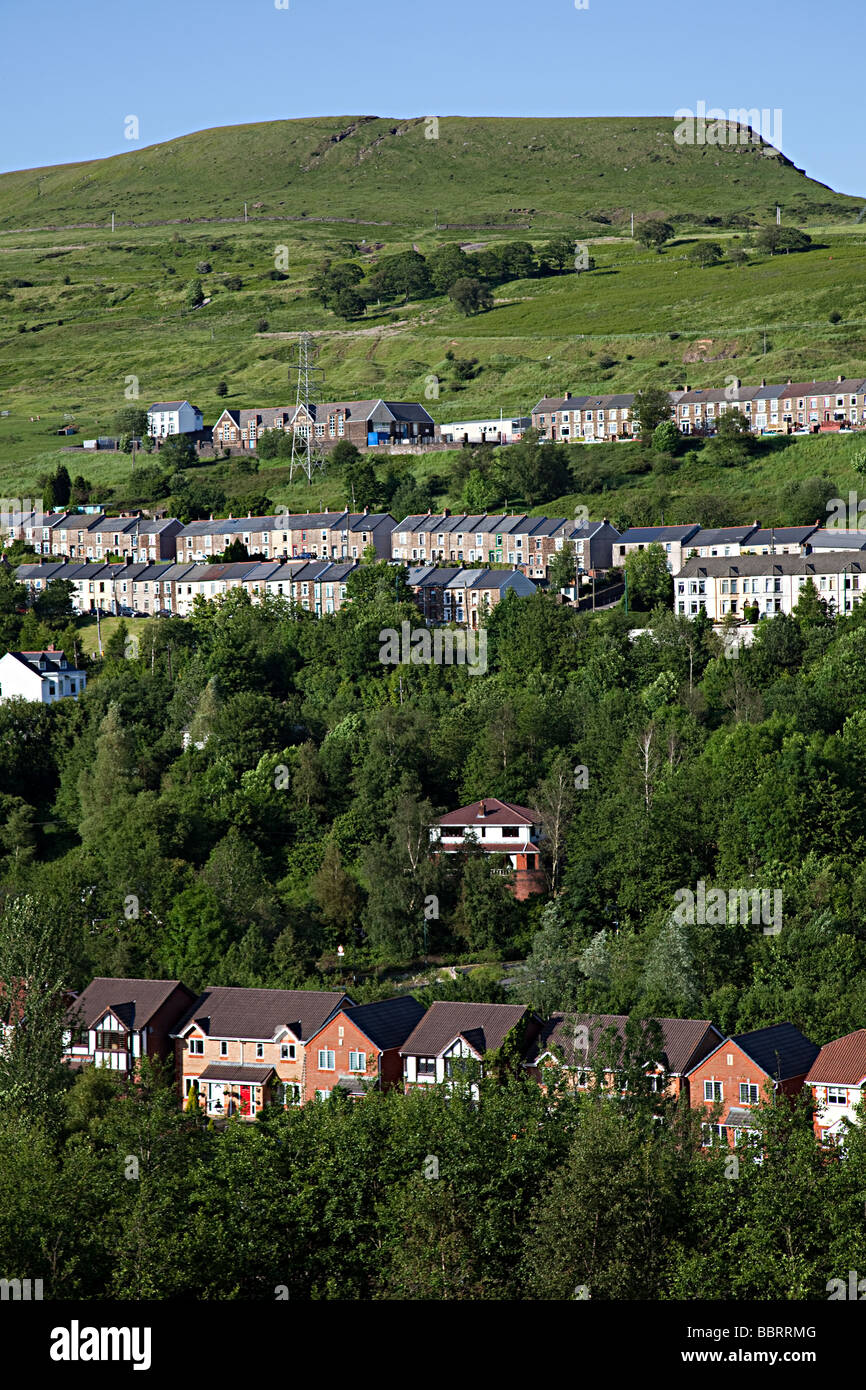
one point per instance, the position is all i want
(477, 169)
(86, 314)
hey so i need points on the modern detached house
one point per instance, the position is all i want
(114, 1023)
(575, 1044)
(454, 1038)
(744, 1070)
(358, 1050)
(43, 677)
(836, 1080)
(499, 828)
(240, 1049)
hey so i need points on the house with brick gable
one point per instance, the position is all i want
(510, 832)
(744, 1070)
(366, 424)
(574, 1044)
(358, 1049)
(241, 1049)
(836, 1079)
(452, 1035)
(115, 1023)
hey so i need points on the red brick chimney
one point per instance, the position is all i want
(482, 811)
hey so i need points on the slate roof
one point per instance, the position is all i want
(685, 1041)
(389, 1022)
(133, 1001)
(837, 538)
(723, 535)
(484, 1026)
(782, 1051)
(841, 1062)
(259, 1014)
(830, 562)
(645, 535)
(782, 535)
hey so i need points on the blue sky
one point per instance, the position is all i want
(185, 65)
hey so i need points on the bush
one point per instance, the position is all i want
(234, 282)
(835, 317)
(204, 268)
(222, 388)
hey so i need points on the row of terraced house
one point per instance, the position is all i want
(237, 1050)
(788, 408)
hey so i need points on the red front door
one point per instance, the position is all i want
(245, 1100)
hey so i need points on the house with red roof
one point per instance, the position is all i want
(836, 1080)
(501, 828)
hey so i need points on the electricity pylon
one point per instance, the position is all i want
(306, 455)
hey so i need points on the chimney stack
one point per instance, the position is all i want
(483, 807)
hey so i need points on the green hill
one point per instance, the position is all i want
(87, 315)
(477, 170)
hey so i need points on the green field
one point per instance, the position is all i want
(103, 314)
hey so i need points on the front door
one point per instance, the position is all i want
(245, 1100)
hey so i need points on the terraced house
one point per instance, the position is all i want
(286, 535)
(463, 596)
(526, 542)
(770, 584)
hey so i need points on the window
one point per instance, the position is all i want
(109, 1041)
(196, 1046)
(836, 1096)
(748, 1093)
(326, 1059)
(426, 1067)
(712, 1090)
(224, 1049)
(260, 1049)
(357, 1061)
(288, 1052)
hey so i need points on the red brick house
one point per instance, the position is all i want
(114, 1023)
(576, 1042)
(241, 1049)
(744, 1070)
(497, 827)
(359, 1048)
(837, 1079)
(452, 1033)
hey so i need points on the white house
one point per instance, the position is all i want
(40, 676)
(770, 583)
(836, 1081)
(493, 431)
(173, 417)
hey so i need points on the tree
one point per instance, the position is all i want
(193, 294)
(559, 250)
(652, 406)
(555, 800)
(666, 437)
(131, 420)
(470, 296)
(336, 892)
(53, 604)
(222, 388)
(447, 265)
(705, 253)
(349, 304)
(344, 453)
(177, 451)
(653, 232)
(648, 578)
(35, 949)
(811, 609)
(774, 238)
(733, 444)
(359, 478)
(562, 573)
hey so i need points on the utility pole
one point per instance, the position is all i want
(112, 221)
(245, 212)
(778, 216)
(632, 226)
(305, 456)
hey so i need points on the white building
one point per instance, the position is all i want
(44, 677)
(836, 1081)
(770, 583)
(494, 431)
(173, 417)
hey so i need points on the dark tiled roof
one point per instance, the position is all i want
(258, 1014)
(134, 1001)
(723, 535)
(389, 1022)
(782, 1051)
(646, 534)
(685, 1041)
(485, 1026)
